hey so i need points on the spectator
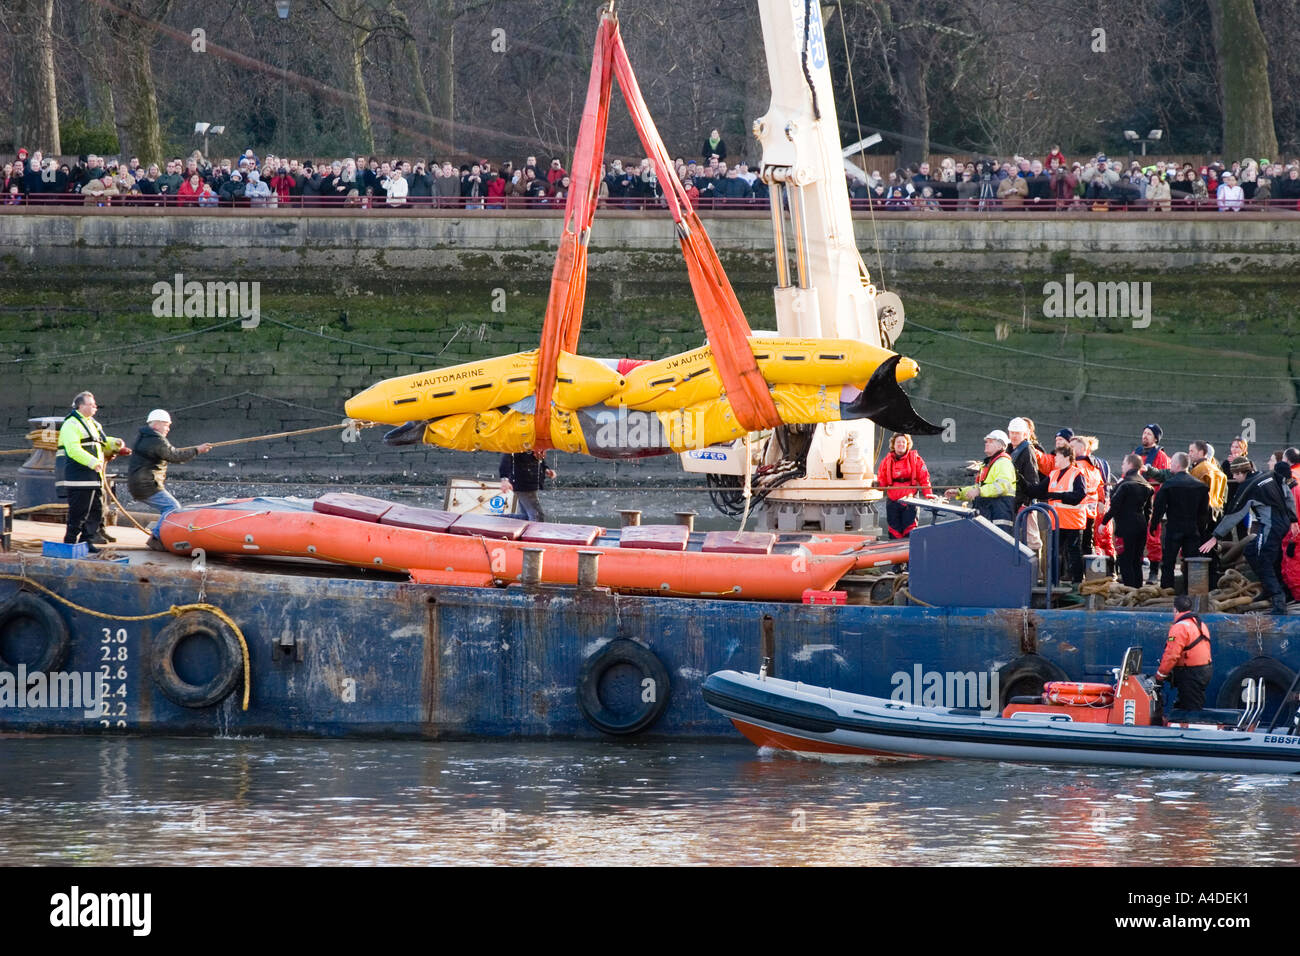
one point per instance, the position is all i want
(1065, 185)
(714, 148)
(257, 191)
(1288, 189)
(283, 184)
(169, 183)
(1158, 194)
(207, 197)
(447, 186)
(496, 185)
(1013, 191)
(733, 187)
(190, 190)
(1056, 156)
(33, 184)
(471, 185)
(1038, 184)
(555, 173)
(232, 189)
(1229, 195)
(350, 182)
(394, 188)
(967, 189)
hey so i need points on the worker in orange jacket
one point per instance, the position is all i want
(1094, 501)
(1187, 661)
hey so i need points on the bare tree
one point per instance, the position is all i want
(36, 104)
(132, 26)
(1243, 78)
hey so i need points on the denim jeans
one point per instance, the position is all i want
(165, 504)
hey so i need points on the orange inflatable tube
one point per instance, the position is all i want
(432, 556)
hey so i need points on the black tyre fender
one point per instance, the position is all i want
(229, 672)
(623, 651)
(1025, 677)
(1277, 681)
(57, 639)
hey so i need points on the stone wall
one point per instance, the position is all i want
(346, 301)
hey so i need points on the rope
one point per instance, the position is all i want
(857, 123)
(107, 489)
(749, 491)
(176, 610)
(301, 431)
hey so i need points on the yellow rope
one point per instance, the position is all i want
(108, 493)
(176, 610)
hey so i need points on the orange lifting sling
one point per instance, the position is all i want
(724, 321)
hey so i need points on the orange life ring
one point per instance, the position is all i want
(1073, 692)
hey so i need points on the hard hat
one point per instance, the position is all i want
(998, 435)
(159, 415)
(1018, 425)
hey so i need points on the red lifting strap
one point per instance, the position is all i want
(724, 321)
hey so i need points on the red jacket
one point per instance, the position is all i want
(188, 194)
(909, 471)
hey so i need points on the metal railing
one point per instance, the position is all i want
(360, 205)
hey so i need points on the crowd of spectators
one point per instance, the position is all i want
(1098, 184)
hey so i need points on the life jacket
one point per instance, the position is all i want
(909, 472)
(1069, 517)
(1092, 482)
(1188, 644)
(70, 473)
(988, 464)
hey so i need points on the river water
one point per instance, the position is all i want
(268, 802)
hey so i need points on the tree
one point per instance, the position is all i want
(1243, 80)
(132, 27)
(920, 44)
(36, 104)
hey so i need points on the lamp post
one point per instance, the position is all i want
(205, 130)
(1153, 136)
(282, 11)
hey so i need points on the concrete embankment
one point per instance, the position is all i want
(1205, 348)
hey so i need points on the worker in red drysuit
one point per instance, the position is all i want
(902, 473)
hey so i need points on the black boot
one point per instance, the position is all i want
(1279, 604)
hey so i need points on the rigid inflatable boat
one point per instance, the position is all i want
(442, 547)
(1104, 725)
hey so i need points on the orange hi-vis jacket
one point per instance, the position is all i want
(1069, 517)
(1092, 486)
(1188, 644)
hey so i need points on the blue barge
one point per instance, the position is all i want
(339, 655)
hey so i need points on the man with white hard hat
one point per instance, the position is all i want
(148, 474)
(994, 493)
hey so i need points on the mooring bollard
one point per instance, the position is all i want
(588, 569)
(687, 518)
(631, 517)
(1198, 583)
(531, 575)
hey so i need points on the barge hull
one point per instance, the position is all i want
(358, 657)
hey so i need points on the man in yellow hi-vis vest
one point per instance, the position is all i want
(87, 451)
